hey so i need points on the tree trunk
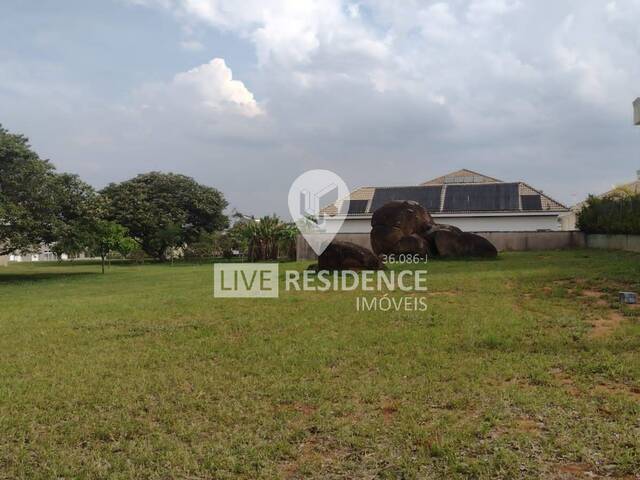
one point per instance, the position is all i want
(102, 257)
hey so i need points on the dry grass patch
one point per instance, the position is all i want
(605, 326)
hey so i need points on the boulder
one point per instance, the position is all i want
(405, 227)
(348, 256)
(399, 227)
(451, 244)
(430, 236)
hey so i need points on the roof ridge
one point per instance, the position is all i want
(461, 170)
(541, 193)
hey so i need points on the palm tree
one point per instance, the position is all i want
(266, 236)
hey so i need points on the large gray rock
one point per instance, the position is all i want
(348, 256)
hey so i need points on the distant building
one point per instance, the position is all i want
(469, 200)
(636, 111)
(43, 255)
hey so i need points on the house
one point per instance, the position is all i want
(469, 200)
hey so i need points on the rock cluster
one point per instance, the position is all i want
(405, 227)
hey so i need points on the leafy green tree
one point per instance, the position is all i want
(109, 237)
(79, 208)
(163, 211)
(38, 205)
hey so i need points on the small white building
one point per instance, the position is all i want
(471, 201)
(44, 255)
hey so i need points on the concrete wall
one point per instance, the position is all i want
(630, 243)
(521, 241)
(504, 241)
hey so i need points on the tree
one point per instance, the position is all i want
(163, 211)
(38, 205)
(78, 211)
(110, 237)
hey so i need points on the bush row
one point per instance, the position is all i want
(611, 215)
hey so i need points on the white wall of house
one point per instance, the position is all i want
(474, 223)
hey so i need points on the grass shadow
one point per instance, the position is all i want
(14, 278)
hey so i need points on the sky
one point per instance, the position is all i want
(246, 95)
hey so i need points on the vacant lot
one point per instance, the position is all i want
(522, 367)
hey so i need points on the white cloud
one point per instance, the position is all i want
(285, 32)
(208, 89)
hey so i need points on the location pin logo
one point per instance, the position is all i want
(318, 203)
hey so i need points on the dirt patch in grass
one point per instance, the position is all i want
(529, 425)
(315, 453)
(592, 293)
(565, 380)
(300, 407)
(575, 470)
(597, 296)
(522, 425)
(619, 389)
(603, 327)
(443, 293)
(578, 471)
(389, 410)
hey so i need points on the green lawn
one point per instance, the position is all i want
(521, 367)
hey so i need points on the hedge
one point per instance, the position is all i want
(611, 215)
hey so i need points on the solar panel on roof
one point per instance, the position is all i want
(356, 207)
(428, 197)
(531, 202)
(482, 197)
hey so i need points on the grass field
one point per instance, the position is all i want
(524, 367)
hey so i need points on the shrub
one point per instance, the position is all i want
(618, 214)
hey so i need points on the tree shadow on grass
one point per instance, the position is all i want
(14, 278)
